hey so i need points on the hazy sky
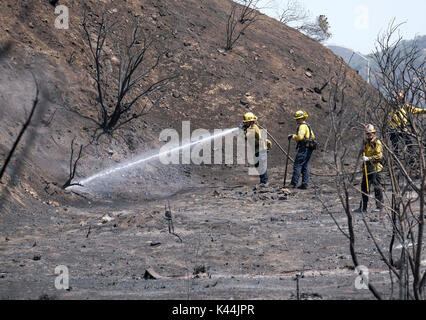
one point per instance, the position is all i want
(356, 23)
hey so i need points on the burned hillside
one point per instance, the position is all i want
(180, 231)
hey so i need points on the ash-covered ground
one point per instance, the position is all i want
(231, 240)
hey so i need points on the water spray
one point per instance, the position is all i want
(139, 161)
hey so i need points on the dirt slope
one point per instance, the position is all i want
(265, 73)
(273, 71)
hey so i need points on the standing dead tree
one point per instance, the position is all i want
(73, 166)
(318, 30)
(239, 19)
(295, 15)
(134, 78)
(21, 133)
(344, 123)
(401, 78)
(398, 243)
(293, 12)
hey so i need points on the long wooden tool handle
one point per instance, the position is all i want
(366, 175)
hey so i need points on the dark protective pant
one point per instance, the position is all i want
(264, 176)
(301, 166)
(374, 181)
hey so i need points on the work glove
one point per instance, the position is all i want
(268, 144)
(290, 137)
(365, 159)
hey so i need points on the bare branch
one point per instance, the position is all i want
(237, 24)
(73, 166)
(133, 59)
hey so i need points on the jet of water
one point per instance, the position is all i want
(139, 161)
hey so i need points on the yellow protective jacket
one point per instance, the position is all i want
(399, 117)
(260, 144)
(374, 150)
(303, 133)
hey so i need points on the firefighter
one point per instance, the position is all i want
(398, 123)
(301, 163)
(372, 157)
(261, 147)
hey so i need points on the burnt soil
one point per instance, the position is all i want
(230, 241)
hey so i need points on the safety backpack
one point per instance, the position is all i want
(310, 143)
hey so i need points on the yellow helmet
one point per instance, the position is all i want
(300, 115)
(369, 128)
(249, 117)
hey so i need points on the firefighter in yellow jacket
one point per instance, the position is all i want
(398, 122)
(304, 153)
(372, 156)
(261, 146)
